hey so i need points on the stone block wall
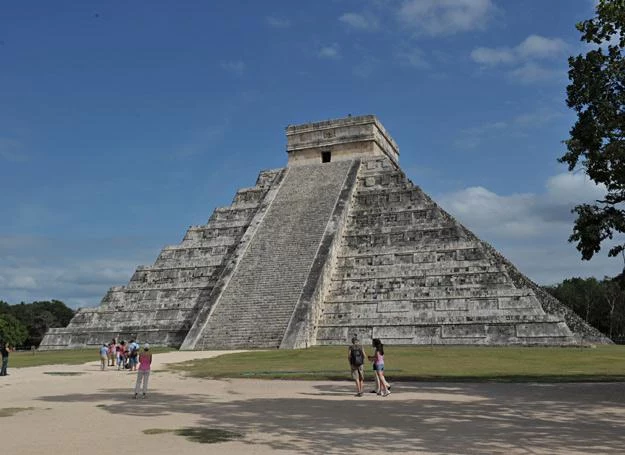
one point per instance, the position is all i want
(161, 301)
(408, 273)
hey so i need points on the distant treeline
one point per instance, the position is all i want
(24, 324)
(600, 303)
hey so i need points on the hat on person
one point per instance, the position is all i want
(355, 338)
(146, 346)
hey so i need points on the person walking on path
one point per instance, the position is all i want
(133, 353)
(111, 354)
(143, 374)
(104, 351)
(121, 364)
(4, 349)
(356, 358)
(382, 386)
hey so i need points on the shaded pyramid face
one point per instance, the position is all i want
(338, 243)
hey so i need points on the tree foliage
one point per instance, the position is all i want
(12, 331)
(37, 318)
(597, 140)
(600, 303)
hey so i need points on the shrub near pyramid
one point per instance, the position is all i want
(336, 243)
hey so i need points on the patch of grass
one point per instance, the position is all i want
(62, 357)
(8, 412)
(157, 431)
(424, 363)
(199, 434)
(63, 373)
(207, 435)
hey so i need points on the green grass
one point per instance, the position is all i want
(8, 412)
(63, 373)
(417, 363)
(199, 434)
(64, 357)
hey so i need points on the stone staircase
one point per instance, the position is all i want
(255, 307)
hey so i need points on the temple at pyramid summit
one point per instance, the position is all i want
(338, 242)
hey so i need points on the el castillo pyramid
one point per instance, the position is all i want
(338, 242)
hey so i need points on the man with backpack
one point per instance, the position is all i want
(356, 357)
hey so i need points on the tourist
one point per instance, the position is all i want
(382, 387)
(111, 353)
(133, 352)
(121, 355)
(4, 349)
(104, 352)
(356, 358)
(145, 360)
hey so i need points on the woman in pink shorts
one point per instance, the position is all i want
(143, 373)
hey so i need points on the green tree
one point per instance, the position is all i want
(597, 140)
(38, 317)
(12, 331)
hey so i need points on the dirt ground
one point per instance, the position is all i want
(94, 412)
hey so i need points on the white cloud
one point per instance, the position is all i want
(523, 215)
(539, 117)
(360, 21)
(237, 67)
(524, 56)
(472, 137)
(484, 210)
(531, 229)
(531, 48)
(573, 188)
(491, 56)
(445, 17)
(77, 271)
(414, 58)
(277, 22)
(75, 283)
(535, 46)
(532, 72)
(331, 52)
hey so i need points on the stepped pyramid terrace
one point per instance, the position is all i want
(338, 242)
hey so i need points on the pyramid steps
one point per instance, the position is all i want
(256, 306)
(404, 262)
(161, 301)
(338, 242)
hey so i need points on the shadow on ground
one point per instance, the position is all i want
(448, 418)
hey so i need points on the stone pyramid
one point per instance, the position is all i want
(337, 243)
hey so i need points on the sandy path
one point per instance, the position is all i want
(94, 413)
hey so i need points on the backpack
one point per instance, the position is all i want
(357, 358)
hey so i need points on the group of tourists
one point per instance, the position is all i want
(356, 357)
(121, 354)
(128, 356)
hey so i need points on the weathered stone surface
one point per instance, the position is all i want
(339, 242)
(256, 306)
(161, 302)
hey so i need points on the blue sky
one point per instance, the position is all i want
(122, 123)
